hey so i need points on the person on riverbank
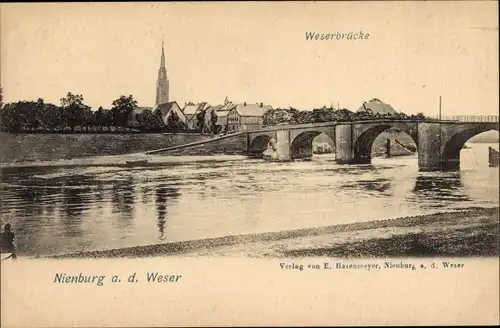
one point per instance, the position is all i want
(7, 242)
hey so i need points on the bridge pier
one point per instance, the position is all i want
(440, 143)
(283, 147)
(343, 144)
(429, 146)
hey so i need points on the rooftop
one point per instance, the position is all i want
(191, 108)
(377, 107)
(166, 107)
(252, 109)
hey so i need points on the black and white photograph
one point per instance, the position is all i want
(364, 134)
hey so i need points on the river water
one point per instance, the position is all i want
(54, 210)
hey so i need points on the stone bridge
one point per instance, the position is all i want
(438, 142)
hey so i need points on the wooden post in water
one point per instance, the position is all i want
(388, 148)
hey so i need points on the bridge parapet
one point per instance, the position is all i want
(388, 120)
(470, 118)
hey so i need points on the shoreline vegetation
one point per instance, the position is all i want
(469, 232)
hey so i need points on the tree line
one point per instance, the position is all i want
(73, 115)
(325, 114)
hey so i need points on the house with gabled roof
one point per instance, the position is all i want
(223, 112)
(208, 118)
(377, 107)
(191, 110)
(167, 109)
(246, 116)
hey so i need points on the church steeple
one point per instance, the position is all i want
(162, 62)
(162, 84)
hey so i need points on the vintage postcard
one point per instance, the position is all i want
(249, 164)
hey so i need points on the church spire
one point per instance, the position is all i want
(162, 84)
(162, 63)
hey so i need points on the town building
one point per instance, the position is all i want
(223, 112)
(208, 117)
(191, 110)
(162, 83)
(246, 116)
(167, 109)
(377, 107)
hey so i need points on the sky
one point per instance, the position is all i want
(256, 52)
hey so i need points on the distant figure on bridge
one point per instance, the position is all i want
(7, 242)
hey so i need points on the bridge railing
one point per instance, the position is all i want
(470, 118)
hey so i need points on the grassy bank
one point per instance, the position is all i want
(24, 147)
(472, 232)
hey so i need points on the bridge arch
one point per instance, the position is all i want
(301, 144)
(259, 143)
(366, 135)
(452, 144)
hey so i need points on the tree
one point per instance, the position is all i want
(108, 119)
(74, 110)
(88, 118)
(148, 121)
(200, 121)
(214, 127)
(20, 116)
(174, 124)
(10, 118)
(122, 109)
(420, 116)
(103, 118)
(53, 117)
(344, 114)
(280, 116)
(1, 98)
(323, 114)
(37, 116)
(304, 116)
(30, 113)
(99, 118)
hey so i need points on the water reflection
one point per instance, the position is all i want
(439, 190)
(164, 194)
(123, 198)
(28, 212)
(146, 194)
(378, 186)
(72, 208)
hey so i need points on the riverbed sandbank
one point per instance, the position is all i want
(471, 232)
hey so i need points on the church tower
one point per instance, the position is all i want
(162, 82)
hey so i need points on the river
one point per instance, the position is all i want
(63, 210)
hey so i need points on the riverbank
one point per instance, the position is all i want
(471, 232)
(119, 161)
(19, 148)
